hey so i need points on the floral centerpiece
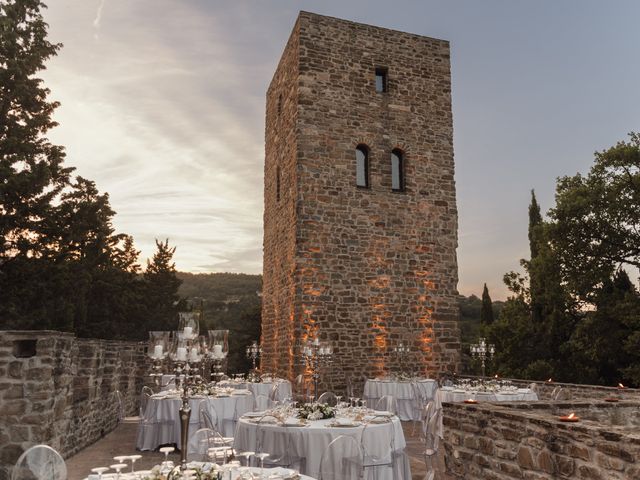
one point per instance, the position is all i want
(177, 474)
(202, 389)
(316, 411)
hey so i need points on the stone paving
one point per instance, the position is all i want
(122, 440)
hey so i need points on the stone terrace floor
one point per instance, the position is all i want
(122, 440)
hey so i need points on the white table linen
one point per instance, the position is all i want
(262, 388)
(403, 393)
(162, 418)
(309, 442)
(451, 394)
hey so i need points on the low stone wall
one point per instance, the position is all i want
(528, 441)
(61, 390)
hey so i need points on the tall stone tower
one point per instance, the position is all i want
(360, 219)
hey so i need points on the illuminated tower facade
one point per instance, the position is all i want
(360, 218)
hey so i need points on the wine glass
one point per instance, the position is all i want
(100, 471)
(261, 457)
(134, 459)
(247, 456)
(166, 451)
(118, 467)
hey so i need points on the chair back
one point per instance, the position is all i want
(387, 403)
(144, 402)
(430, 434)
(563, 394)
(208, 415)
(40, 462)
(342, 460)
(378, 430)
(329, 398)
(428, 411)
(261, 403)
(120, 406)
(533, 386)
(555, 391)
(199, 444)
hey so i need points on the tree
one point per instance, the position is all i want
(486, 314)
(32, 174)
(162, 286)
(596, 220)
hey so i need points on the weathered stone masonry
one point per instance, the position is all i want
(61, 390)
(361, 267)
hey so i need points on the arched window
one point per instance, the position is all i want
(397, 171)
(362, 166)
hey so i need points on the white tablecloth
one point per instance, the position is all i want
(255, 470)
(310, 442)
(262, 388)
(449, 394)
(403, 392)
(162, 416)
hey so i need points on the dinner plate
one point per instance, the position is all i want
(255, 414)
(345, 425)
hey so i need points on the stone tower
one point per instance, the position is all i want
(360, 219)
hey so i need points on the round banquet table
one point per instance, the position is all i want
(262, 388)
(309, 442)
(451, 394)
(254, 470)
(161, 422)
(403, 393)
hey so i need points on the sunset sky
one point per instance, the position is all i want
(163, 106)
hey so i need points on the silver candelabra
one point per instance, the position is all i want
(254, 351)
(482, 350)
(315, 355)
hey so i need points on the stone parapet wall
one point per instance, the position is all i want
(528, 441)
(61, 390)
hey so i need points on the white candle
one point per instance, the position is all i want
(181, 354)
(157, 351)
(194, 354)
(217, 351)
(187, 332)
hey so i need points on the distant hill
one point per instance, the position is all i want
(231, 302)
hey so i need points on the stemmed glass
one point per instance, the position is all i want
(247, 456)
(167, 451)
(118, 467)
(261, 457)
(134, 459)
(100, 471)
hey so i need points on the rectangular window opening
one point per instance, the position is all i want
(381, 79)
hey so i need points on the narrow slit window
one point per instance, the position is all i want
(397, 171)
(362, 166)
(279, 104)
(381, 79)
(277, 184)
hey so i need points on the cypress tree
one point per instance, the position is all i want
(486, 314)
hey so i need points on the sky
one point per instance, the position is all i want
(163, 107)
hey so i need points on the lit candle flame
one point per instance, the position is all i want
(571, 415)
(549, 380)
(496, 375)
(621, 385)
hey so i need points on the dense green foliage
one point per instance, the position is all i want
(575, 314)
(62, 265)
(231, 302)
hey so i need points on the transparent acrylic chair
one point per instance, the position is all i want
(40, 462)
(373, 457)
(329, 398)
(387, 403)
(342, 460)
(429, 437)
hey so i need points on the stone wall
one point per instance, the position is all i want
(528, 441)
(360, 267)
(61, 390)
